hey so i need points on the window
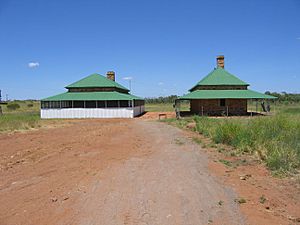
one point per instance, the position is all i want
(66, 104)
(55, 104)
(139, 102)
(45, 104)
(112, 104)
(222, 102)
(101, 104)
(78, 104)
(124, 103)
(90, 104)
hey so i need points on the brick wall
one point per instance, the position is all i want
(213, 107)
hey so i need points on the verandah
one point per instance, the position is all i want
(90, 104)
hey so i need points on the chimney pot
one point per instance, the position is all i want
(111, 75)
(220, 61)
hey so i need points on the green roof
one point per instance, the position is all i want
(95, 80)
(225, 94)
(220, 76)
(100, 96)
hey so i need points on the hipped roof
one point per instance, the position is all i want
(95, 80)
(225, 94)
(220, 76)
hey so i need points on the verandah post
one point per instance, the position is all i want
(256, 105)
(251, 106)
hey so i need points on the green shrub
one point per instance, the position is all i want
(30, 105)
(13, 106)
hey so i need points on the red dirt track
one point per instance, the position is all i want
(115, 171)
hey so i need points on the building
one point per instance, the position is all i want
(94, 96)
(221, 93)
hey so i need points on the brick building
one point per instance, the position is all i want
(221, 93)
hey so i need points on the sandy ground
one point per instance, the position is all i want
(117, 171)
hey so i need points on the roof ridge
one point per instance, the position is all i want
(95, 80)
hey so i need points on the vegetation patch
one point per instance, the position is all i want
(179, 141)
(292, 110)
(13, 106)
(197, 140)
(20, 115)
(226, 162)
(19, 121)
(262, 199)
(240, 200)
(276, 139)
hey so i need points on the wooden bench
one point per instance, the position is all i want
(160, 115)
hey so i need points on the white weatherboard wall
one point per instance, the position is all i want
(87, 113)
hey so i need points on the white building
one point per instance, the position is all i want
(94, 96)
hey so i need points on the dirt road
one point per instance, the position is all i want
(110, 172)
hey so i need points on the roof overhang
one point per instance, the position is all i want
(92, 96)
(225, 94)
(217, 85)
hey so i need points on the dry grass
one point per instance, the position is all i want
(274, 139)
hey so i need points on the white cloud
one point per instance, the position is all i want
(127, 78)
(160, 83)
(33, 64)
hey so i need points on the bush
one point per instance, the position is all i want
(30, 105)
(13, 106)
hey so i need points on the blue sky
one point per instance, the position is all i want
(165, 46)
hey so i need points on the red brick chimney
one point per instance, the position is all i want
(220, 61)
(111, 75)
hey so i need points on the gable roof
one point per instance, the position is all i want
(220, 76)
(95, 80)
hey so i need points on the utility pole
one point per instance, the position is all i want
(129, 81)
(6, 97)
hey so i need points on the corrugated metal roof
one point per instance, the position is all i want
(86, 96)
(225, 94)
(95, 80)
(220, 76)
